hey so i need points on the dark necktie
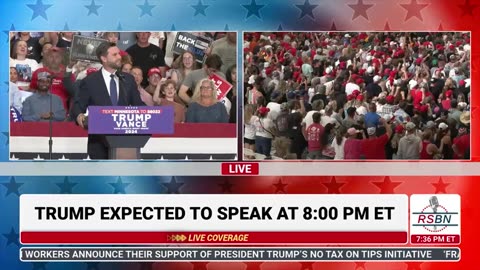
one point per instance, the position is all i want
(113, 90)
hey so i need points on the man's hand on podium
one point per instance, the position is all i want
(81, 120)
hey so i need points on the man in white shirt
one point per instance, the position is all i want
(105, 87)
(350, 87)
(316, 107)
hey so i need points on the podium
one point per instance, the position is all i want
(125, 146)
(127, 129)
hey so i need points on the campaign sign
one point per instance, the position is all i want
(223, 86)
(195, 44)
(84, 48)
(15, 115)
(130, 120)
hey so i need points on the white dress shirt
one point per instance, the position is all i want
(106, 78)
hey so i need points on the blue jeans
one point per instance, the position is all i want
(263, 145)
(315, 154)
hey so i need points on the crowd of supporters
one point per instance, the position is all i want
(163, 76)
(364, 95)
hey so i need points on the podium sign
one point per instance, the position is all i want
(122, 120)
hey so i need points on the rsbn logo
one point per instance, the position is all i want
(434, 217)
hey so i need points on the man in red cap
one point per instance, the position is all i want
(43, 105)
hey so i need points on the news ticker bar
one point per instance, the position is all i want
(123, 254)
(267, 168)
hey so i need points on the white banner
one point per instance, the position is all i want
(213, 213)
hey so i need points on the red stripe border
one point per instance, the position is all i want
(375, 237)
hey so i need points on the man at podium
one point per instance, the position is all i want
(106, 87)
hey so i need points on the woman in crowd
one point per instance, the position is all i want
(429, 149)
(165, 95)
(264, 130)
(328, 151)
(154, 79)
(24, 66)
(183, 65)
(299, 144)
(338, 143)
(205, 108)
(249, 118)
(127, 63)
(256, 91)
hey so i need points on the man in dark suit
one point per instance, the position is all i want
(106, 87)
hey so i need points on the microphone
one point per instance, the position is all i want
(50, 124)
(120, 75)
(434, 205)
(121, 81)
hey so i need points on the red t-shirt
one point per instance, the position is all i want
(446, 105)
(352, 149)
(417, 95)
(424, 154)
(314, 135)
(462, 143)
(374, 148)
(299, 62)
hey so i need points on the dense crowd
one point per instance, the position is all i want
(364, 95)
(42, 74)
